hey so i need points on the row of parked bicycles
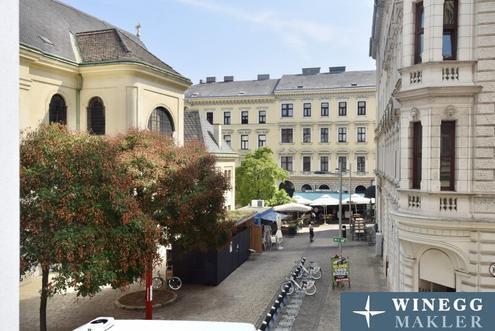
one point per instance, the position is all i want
(295, 281)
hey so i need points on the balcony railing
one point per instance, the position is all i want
(436, 74)
(435, 204)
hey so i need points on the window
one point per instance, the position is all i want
(244, 117)
(342, 135)
(287, 136)
(447, 156)
(226, 117)
(342, 108)
(307, 110)
(287, 109)
(449, 40)
(209, 117)
(343, 163)
(261, 140)
(324, 109)
(96, 116)
(361, 110)
(286, 163)
(262, 117)
(228, 139)
(417, 142)
(324, 163)
(306, 163)
(419, 32)
(361, 134)
(228, 175)
(161, 121)
(244, 142)
(306, 135)
(57, 110)
(324, 135)
(361, 164)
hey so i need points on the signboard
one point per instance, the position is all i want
(340, 268)
(338, 240)
(491, 269)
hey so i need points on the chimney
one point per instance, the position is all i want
(138, 30)
(217, 134)
(263, 76)
(336, 70)
(227, 79)
(310, 71)
(211, 80)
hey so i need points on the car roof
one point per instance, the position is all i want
(163, 325)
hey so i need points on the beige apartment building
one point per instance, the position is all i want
(312, 121)
(436, 142)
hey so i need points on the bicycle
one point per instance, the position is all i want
(175, 283)
(308, 286)
(313, 271)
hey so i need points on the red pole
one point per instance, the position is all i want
(149, 294)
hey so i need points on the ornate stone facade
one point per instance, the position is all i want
(435, 238)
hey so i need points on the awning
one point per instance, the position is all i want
(269, 215)
(292, 207)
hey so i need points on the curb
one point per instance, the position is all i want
(143, 307)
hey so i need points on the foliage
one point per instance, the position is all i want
(279, 198)
(78, 219)
(178, 187)
(256, 177)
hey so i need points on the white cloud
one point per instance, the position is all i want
(295, 33)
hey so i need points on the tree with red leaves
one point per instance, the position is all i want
(178, 187)
(79, 221)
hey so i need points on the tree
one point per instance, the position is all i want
(178, 187)
(257, 175)
(78, 218)
(279, 198)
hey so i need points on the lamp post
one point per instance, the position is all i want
(340, 211)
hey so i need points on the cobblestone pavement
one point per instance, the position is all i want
(243, 296)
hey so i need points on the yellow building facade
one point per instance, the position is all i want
(313, 122)
(93, 76)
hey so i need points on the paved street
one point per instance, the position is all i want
(243, 296)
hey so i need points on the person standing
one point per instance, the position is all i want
(311, 232)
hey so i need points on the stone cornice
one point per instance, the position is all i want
(438, 91)
(229, 100)
(369, 91)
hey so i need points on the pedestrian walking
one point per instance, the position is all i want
(311, 232)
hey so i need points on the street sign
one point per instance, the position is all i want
(338, 240)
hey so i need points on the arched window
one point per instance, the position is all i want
(288, 187)
(161, 121)
(360, 189)
(57, 111)
(324, 187)
(306, 187)
(96, 116)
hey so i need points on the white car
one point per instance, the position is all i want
(109, 323)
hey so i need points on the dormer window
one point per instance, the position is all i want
(449, 39)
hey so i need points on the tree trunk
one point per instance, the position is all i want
(44, 298)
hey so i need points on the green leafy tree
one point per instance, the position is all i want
(279, 198)
(257, 175)
(178, 187)
(79, 221)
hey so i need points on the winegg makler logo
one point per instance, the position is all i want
(400, 311)
(367, 312)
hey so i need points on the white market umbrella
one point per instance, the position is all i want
(301, 200)
(292, 207)
(325, 200)
(357, 199)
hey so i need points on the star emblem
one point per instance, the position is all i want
(367, 312)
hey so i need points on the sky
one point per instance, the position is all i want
(201, 38)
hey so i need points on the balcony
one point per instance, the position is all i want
(437, 74)
(450, 205)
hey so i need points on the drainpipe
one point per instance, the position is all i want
(78, 101)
